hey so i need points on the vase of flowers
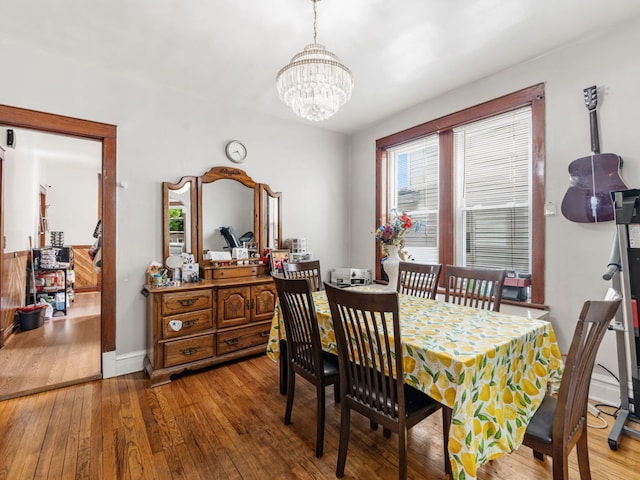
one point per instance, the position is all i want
(391, 236)
(392, 266)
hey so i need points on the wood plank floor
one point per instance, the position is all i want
(64, 351)
(227, 423)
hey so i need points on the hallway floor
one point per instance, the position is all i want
(64, 351)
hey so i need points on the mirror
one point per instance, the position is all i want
(226, 203)
(271, 218)
(179, 203)
(195, 208)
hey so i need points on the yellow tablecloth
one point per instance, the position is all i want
(491, 368)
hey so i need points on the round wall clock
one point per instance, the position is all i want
(236, 151)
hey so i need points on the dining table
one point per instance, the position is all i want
(492, 369)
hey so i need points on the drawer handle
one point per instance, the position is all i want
(188, 303)
(189, 323)
(189, 351)
(232, 341)
(264, 334)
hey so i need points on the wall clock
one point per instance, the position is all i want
(236, 151)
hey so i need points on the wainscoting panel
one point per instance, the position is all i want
(86, 278)
(14, 287)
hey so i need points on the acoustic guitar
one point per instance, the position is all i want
(592, 178)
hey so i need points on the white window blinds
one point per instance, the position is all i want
(493, 191)
(413, 174)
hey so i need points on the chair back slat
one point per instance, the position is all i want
(418, 279)
(474, 287)
(574, 388)
(309, 269)
(367, 336)
(301, 326)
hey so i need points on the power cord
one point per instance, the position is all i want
(595, 411)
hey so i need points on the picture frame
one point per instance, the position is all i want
(276, 257)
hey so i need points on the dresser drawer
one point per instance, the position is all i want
(239, 271)
(186, 323)
(181, 302)
(244, 337)
(188, 350)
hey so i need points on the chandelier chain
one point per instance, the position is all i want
(315, 21)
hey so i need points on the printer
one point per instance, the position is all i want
(346, 277)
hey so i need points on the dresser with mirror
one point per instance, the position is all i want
(226, 314)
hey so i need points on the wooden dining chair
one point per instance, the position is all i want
(474, 287)
(309, 269)
(305, 356)
(419, 279)
(371, 374)
(560, 423)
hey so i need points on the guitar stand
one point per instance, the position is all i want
(624, 271)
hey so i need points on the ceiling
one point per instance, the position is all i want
(401, 52)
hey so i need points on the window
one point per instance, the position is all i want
(474, 182)
(413, 188)
(492, 159)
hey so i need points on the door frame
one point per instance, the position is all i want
(107, 134)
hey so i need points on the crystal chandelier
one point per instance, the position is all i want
(315, 84)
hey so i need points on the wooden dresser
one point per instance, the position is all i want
(196, 325)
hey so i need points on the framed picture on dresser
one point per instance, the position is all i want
(276, 257)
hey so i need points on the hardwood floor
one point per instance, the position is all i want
(64, 351)
(227, 423)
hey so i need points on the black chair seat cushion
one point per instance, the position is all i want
(541, 425)
(415, 400)
(330, 364)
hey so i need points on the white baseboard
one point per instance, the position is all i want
(604, 389)
(115, 365)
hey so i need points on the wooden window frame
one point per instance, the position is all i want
(532, 96)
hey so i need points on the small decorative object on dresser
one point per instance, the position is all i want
(277, 257)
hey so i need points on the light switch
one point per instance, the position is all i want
(550, 209)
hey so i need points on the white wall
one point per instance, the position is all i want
(576, 254)
(67, 168)
(21, 195)
(164, 134)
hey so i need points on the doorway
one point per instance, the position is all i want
(106, 134)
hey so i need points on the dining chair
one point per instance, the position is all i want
(419, 279)
(367, 328)
(560, 423)
(309, 269)
(305, 356)
(474, 287)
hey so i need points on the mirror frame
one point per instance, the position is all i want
(264, 216)
(227, 173)
(166, 188)
(262, 194)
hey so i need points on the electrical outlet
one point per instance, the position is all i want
(593, 410)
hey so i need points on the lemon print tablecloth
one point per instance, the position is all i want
(491, 368)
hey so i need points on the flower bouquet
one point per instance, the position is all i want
(393, 232)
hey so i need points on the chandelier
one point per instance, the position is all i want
(315, 84)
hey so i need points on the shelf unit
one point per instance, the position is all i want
(54, 283)
(57, 289)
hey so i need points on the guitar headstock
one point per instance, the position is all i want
(591, 97)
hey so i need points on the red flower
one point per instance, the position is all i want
(407, 223)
